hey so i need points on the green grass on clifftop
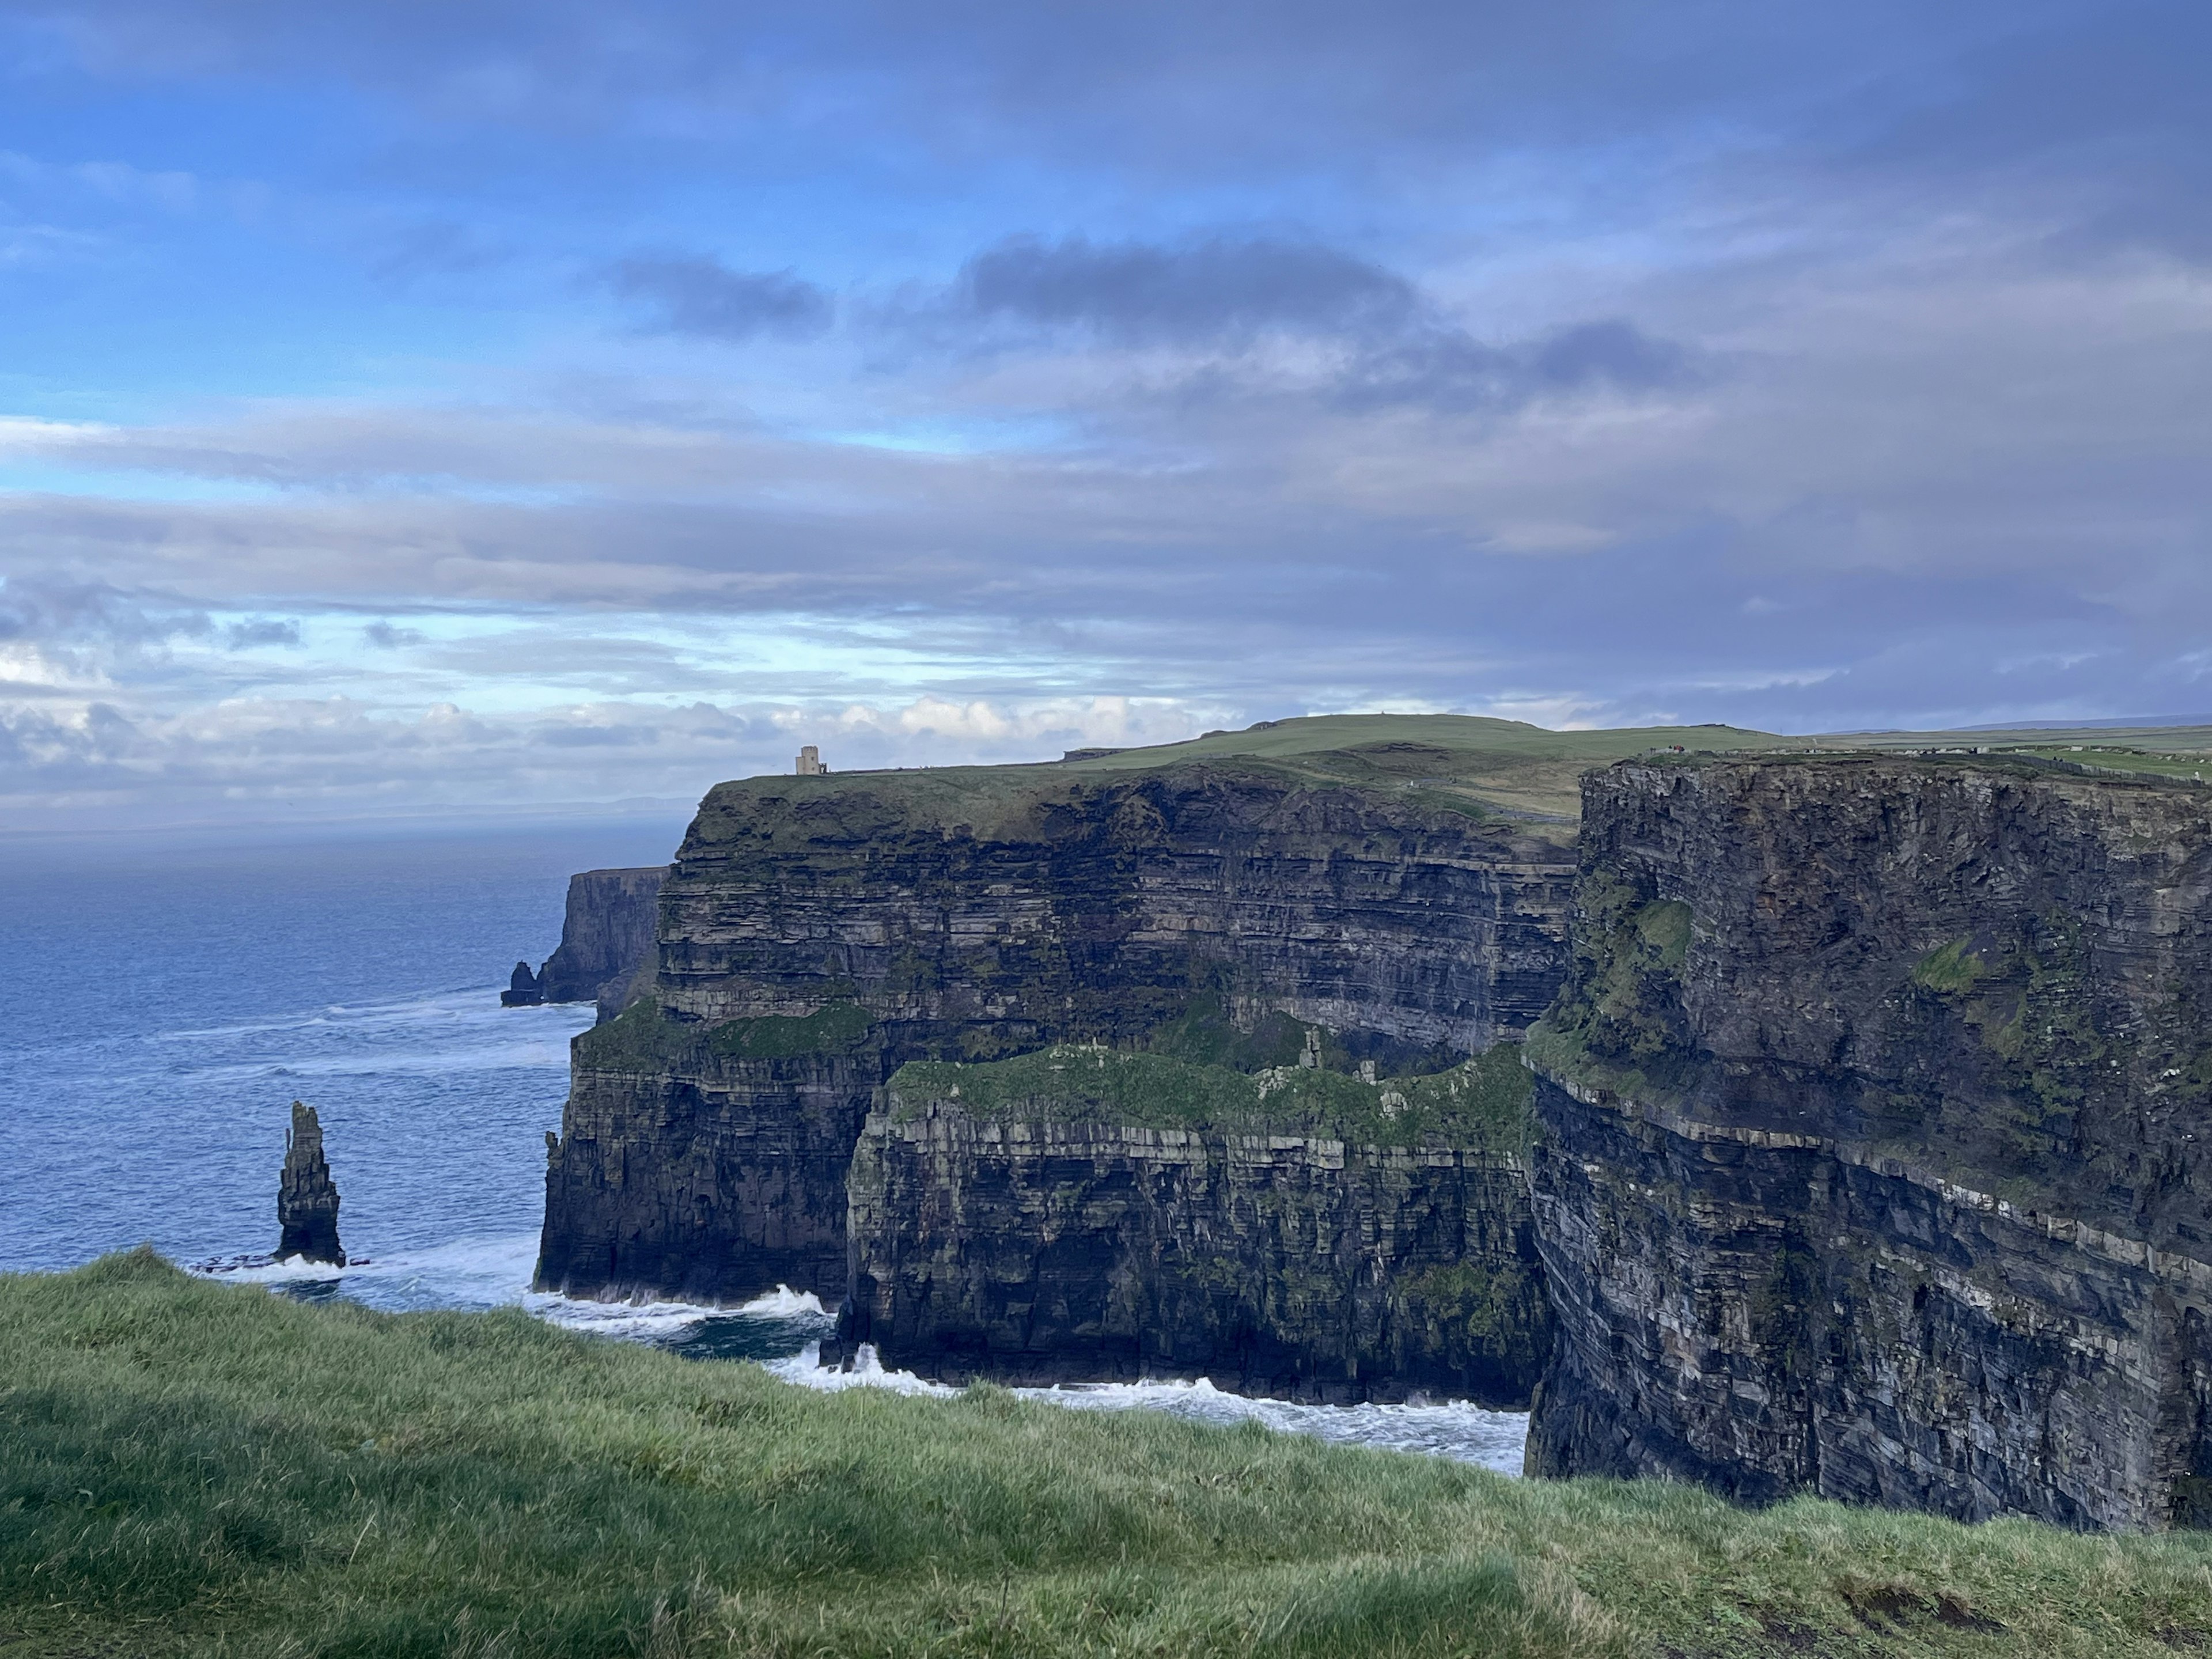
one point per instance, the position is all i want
(1481, 1103)
(200, 1469)
(1526, 777)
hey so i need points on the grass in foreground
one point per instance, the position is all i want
(190, 1469)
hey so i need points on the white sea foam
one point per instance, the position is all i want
(496, 1273)
(784, 1302)
(1455, 1429)
(805, 1368)
(493, 1272)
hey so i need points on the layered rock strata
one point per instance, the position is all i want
(1082, 1214)
(606, 938)
(307, 1197)
(1877, 1108)
(1217, 911)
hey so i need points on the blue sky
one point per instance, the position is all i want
(488, 407)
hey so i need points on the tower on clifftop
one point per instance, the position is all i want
(809, 763)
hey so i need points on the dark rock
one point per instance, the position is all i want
(606, 938)
(1877, 1106)
(306, 1198)
(523, 990)
(814, 938)
(1273, 1251)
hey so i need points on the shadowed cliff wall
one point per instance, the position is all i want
(1876, 1110)
(606, 936)
(971, 913)
(1081, 1214)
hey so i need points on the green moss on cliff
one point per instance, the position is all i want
(1619, 1009)
(1490, 1312)
(839, 1028)
(638, 1039)
(642, 1038)
(1481, 1103)
(1949, 968)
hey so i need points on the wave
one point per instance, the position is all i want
(471, 1004)
(496, 1273)
(1453, 1429)
(784, 1302)
(489, 1273)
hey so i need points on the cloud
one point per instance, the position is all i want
(59, 608)
(1813, 367)
(244, 635)
(337, 757)
(703, 297)
(1214, 288)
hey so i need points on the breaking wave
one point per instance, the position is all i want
(1454, 1429)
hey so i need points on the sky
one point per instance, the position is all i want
(484, 407)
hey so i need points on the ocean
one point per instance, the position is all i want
(169, 1001)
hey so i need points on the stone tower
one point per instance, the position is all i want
(307, 1200)
(809, 764)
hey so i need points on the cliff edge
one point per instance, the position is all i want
(1082, 1214)
(607, 932)
(1876, 1108)
(817, 933)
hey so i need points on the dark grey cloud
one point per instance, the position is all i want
(58, 607)
(259, 631)
(702, 297)
(1450, 371)
(1202, 291)
(1391, 344)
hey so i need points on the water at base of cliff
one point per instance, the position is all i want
(181, 999)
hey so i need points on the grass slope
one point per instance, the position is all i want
(190, 1469)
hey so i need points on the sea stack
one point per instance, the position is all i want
(523, 990)
(307, 1200)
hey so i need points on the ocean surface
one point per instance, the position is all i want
(167, 1002)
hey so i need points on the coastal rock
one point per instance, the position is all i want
(964, 915)
(1878, 1104)
(606, 938)
(1323, 1239)
(523, 990)
(306, 1198)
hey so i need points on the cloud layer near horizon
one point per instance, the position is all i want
(496, 405)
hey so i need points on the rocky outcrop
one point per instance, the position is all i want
(523, 989)
(1877, 1109)
(606, 938)
(306, 1198)
(1083, 1214)
(1212, 911)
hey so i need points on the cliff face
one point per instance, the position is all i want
(606, 938)
(1877, 1101)
(969, 914)
(306, 1198)
(1082, 1214)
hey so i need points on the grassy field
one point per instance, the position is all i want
(1524, 775)
(192, 1468)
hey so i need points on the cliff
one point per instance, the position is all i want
(1877, 1106)
(1082, 1214)
(817, 933)
(606, 938)
(306, 1198)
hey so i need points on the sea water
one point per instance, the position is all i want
(166, 1004)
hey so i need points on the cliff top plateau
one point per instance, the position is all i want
(1468, 762)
